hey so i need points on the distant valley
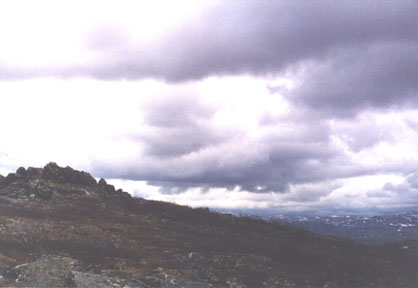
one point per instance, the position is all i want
(373, 230)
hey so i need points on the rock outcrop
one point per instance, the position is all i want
(58, 271)
(52, 172)
(52, 181)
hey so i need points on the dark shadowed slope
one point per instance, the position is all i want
(59, 227)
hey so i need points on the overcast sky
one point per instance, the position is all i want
(279, 106)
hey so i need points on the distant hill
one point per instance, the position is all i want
(61, 228)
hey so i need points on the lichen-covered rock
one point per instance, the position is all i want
(34, 173)
(12, 177)
(47, 271)
(58, 271)
(102, 182)
(21, 171)
(87, 280)
(330, 285)
(67, 175)
(171, 281)
(52, 182)
(5, 262)
(235, 283)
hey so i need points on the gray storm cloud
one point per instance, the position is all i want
(380, 76)
(260, 37)
(250, 37)
(185, 148)
(345, 54)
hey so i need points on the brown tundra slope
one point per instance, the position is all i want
(61, 228)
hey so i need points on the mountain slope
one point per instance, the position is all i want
(69, 230)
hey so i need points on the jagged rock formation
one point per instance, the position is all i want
(61, 228)
(54, 182)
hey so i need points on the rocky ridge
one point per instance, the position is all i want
(54, 182)
(61, 228)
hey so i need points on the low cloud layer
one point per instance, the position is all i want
(184, 145)
(174, 141)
